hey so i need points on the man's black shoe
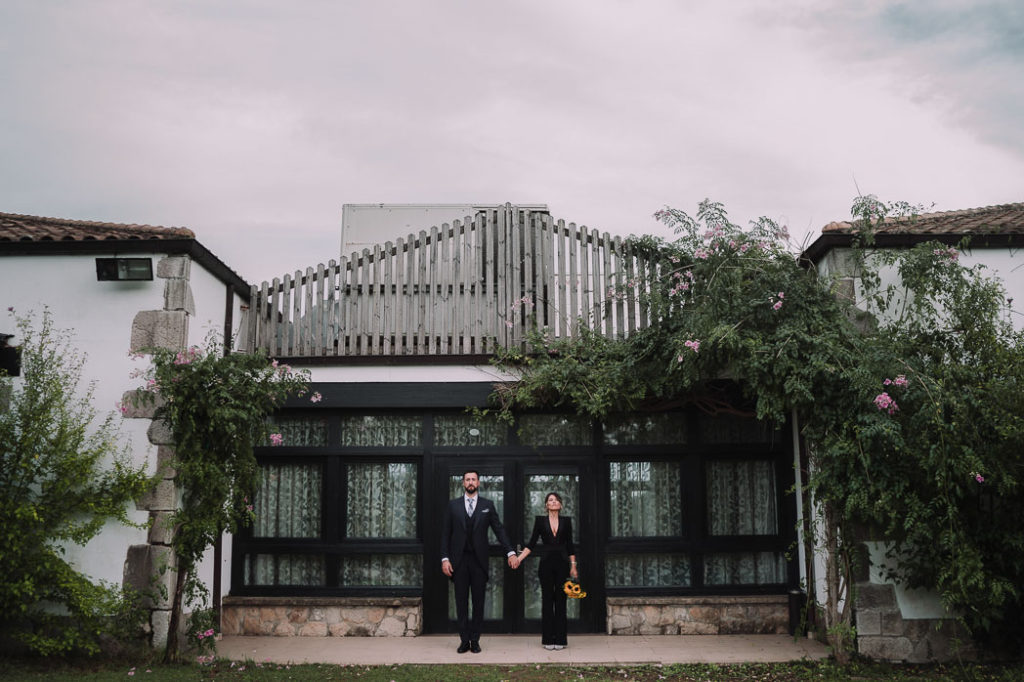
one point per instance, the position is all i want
(464, 647)
(475, 647)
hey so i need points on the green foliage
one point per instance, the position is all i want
(910, 396)
(216, 406)
(62, 477)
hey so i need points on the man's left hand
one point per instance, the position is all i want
(513, 561)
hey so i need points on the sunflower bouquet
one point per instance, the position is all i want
(573, 590)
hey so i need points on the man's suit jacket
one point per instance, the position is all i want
(457, 530)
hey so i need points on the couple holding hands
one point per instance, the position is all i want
(464, 559)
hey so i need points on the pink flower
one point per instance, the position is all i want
(782, 295)
(900, 380)
(316, 397)
(778, 304)
(692, 345)
(702, 254)
(276, 439)
(883, 401)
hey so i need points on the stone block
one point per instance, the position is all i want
(150, 570)
(161, 530)
(165, 455)
(178, 296)
(298, 615)
(869, 622)
(872, 596)
(332, 614)
(171, 267)
(284, 629)
(893, 649)
(140, 404)
(230, 623)
(159, 433)
(390, 627)
(313, 629)
(693, 628)
(161, 624)
(159, 329)
(374, 615)
(892, 623)
(163, 497)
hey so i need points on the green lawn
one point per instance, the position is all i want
(227, 670)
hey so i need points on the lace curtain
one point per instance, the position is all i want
(647, 570)
(654, 429)
(645, 499)
(288, 501)
(388, 570)
(381, 500)
(741, 498)
(554, 430)
(284, 569)
(298, 431)
(381, 431)
(748, 568)
(467, 430)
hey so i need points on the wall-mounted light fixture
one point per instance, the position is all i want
(124, 269)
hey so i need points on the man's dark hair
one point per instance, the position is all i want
(470, 471)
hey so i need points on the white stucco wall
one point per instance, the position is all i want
(100, 315)
(1001, 263)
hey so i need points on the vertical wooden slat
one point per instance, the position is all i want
(275, 317)
(444, 298)
(316, 341)
(296, 322)
(529, 270)
(432, 302)
(305, 328)
(597, 306)
(560, 258)
(422, 293)
(458, 304)
(629, 275)
(620, 301)
(331, 320)
(477, 277)
(547, 266)
(361, 298)
(608, 285)
(514, 272)
(400, 329)
(586, 307)
(388, 299)
(573, 242)
(285, 346)
(375, 301)
(343, 319)
(266, 320)
(409, 345)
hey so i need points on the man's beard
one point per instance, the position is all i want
(470, 489)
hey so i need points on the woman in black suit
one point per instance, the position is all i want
(557, 562)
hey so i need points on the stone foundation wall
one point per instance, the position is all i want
(322, 616)
(884, 634)
(761, 614)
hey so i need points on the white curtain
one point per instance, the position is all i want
(741, 497)
(381, 500)
(645, 499)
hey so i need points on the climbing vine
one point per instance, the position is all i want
(904, 376)
(216, 406)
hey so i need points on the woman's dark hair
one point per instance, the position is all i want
(557, 497)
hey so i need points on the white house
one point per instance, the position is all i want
(121, 288)
(684, 518)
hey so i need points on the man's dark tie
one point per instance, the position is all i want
(471, 503)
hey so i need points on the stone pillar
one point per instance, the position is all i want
(151, 567)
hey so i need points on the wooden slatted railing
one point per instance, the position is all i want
(459, 289)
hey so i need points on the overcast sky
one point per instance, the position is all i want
(253, 122)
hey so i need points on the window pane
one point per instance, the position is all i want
(647, 570)
(288, 501)
(554, 430)
(749, 568)
(381, 431)
(286, 569)
(730, 428)
(645, 499)
(494, 593)
(388, 570)
(298, 431)
(467, 430)
(741, 498)
(653, 429)
(381, 500)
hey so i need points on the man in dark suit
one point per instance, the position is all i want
(464, 551)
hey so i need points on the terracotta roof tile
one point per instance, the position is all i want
(989, 220)
(27, 228)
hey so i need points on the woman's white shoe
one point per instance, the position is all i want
(558, 647)
(550, 647)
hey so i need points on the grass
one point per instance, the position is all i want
(95, 670)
